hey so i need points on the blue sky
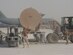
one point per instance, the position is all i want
(51, 8)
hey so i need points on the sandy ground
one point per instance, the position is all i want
(38, 49)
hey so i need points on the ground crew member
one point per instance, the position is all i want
(25, 37)
(66, 22)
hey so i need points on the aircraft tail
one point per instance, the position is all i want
(2, 15)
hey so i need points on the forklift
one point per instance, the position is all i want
(12, 37)
(67, 28)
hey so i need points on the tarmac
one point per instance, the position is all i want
(39, 49)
